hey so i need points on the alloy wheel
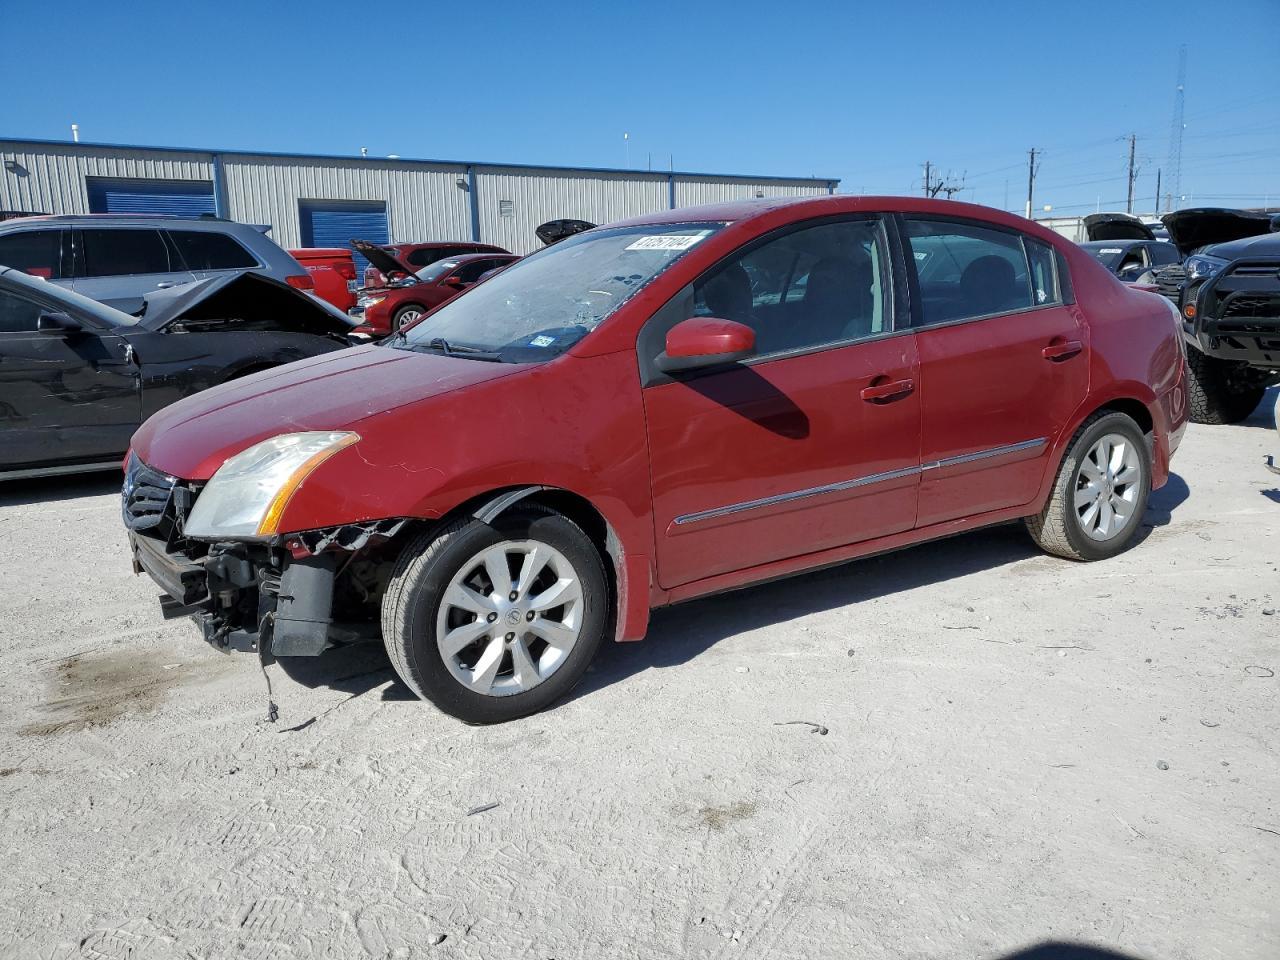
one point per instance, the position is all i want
(510, 617)
(1107, 487)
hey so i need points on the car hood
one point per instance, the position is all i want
(553, 231)
(1264, 245)
(334, 391)
(1192, 229)
(238, 300)
(1116, 226)
(380, 257)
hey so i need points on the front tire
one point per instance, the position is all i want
(1215, 396)
(1100, 493)
(406, 314)
(492, 622)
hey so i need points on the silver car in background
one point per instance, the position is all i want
(119, 258)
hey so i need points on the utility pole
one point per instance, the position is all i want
(1176, 128)
(928, 179)
(947, 184)
(1031, 180)
(1133, 174)
(1158, 171)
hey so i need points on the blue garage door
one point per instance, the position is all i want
(183, 198)
(335, 223)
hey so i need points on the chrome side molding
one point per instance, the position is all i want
(716, 512)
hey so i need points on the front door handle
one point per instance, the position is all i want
(165, 284)
(888, 391)
(1062, 350)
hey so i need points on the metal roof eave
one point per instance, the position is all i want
(479, 164)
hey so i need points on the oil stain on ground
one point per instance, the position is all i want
(717, 818)
(92, 690)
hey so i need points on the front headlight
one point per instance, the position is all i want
(369, 301)
(1201, 267)
(248, 493)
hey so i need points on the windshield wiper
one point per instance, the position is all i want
(462, 350)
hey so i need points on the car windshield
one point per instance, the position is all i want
(435, 271)
(1107, 254)
(540, 306)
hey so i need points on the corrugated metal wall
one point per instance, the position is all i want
(691, 191)
(537, 196)
(51, 179)
(423, 202)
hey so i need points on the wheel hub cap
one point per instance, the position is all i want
(1107, 487)
(509, 618)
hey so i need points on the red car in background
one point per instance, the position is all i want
(397, 260)
(384, 310)
(664, 408)
(332, 271)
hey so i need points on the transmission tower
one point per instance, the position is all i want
(1174, 164)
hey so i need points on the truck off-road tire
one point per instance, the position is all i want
(1100, 493)
(495, 621)
(406, 314)
(1214, 397)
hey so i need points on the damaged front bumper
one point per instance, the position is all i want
(247, 598)
(276, 599)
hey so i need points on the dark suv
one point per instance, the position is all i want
(1228, 292)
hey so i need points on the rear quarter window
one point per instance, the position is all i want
(201, 250)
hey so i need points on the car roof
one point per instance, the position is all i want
(471, 257)
(438, 244)
(139, 219)
(736, 211)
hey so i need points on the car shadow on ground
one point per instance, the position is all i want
(17, 493)
(679, 634)
(1264, 413)
(1061, 950)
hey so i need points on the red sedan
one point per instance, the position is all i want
(652, 411)
(385, 310)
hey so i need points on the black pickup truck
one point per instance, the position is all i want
(1228, 293)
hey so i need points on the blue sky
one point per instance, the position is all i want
(864, 92)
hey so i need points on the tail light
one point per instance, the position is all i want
(301, 282)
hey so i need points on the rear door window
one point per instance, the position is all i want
(116, 253)
(201, 250)
(966, 271)
(37, 252)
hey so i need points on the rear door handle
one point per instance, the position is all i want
(888, 391)
(1062, 350)
(165, 284)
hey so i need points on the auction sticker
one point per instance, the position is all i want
(666, 241)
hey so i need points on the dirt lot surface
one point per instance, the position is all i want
(1000, 749)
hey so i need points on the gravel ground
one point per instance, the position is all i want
(1012, 750)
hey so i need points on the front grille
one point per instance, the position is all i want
(145, 496)
(1249, 305)
(1170, 280)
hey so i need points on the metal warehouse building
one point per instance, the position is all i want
(320, 201)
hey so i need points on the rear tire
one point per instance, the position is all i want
(1100, 493)
(468, 617)
(1214, 397)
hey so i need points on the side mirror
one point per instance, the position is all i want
(705, 342)
(457, 283)
(57, 322)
